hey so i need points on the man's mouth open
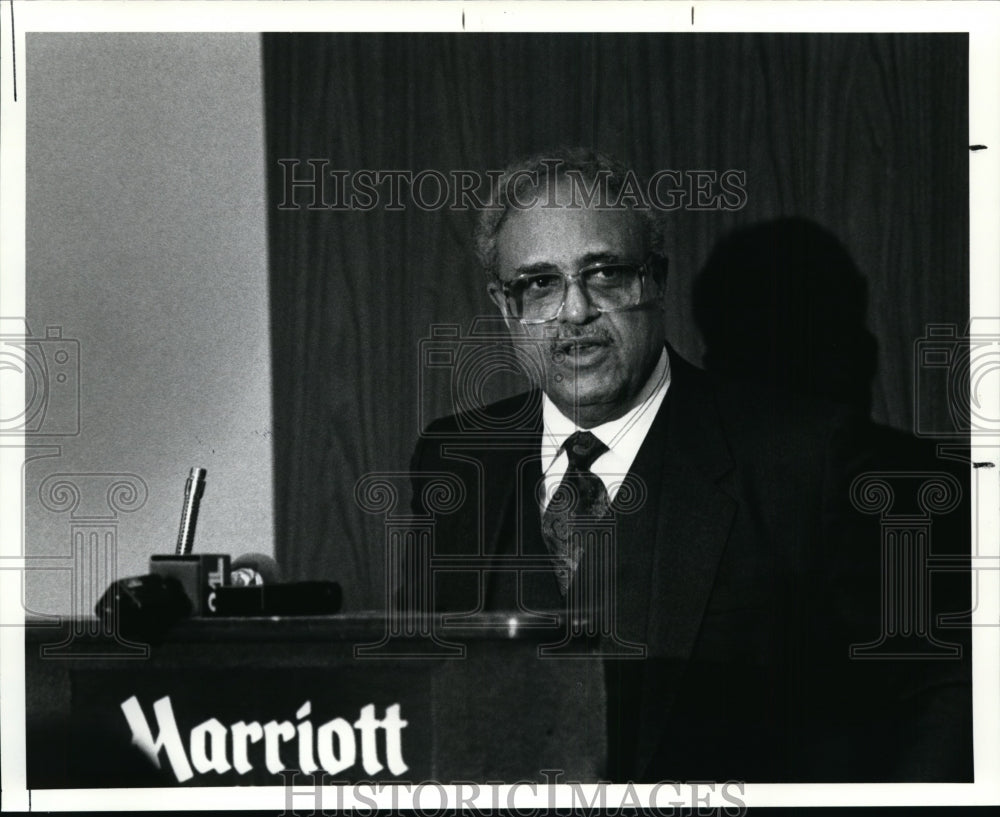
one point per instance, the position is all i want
(580, 350)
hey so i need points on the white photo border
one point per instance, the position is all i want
(980, 20)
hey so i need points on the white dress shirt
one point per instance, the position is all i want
(623, 436)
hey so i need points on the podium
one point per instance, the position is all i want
(227, 701)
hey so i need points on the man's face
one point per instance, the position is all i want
(595, 364)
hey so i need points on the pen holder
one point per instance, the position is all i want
(199, 575)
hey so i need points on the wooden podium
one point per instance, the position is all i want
(226, 701)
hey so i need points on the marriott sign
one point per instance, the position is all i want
(213, 747)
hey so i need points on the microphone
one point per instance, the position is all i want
(183, 584)
(177, 586)
(254, 570)
(144, 606)
(255, 589)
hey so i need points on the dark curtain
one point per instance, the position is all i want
(865, 135)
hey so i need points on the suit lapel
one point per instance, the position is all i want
(636, 534)
(511, 523)
(540, 588)
(664, 588)
(693, 520)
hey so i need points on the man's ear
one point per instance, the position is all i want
(498, 298)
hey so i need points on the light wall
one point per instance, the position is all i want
(146, 244)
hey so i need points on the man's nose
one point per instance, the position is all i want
(577, 307)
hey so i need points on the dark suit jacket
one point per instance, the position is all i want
(746, 573)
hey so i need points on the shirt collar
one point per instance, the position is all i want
(557, 426)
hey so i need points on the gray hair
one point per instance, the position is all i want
(537, 171)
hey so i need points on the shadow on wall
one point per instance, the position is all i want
(782, 302)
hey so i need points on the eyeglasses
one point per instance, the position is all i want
(540, 297)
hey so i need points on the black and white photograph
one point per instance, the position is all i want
(488, 406)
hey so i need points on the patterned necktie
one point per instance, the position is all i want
(581, 496)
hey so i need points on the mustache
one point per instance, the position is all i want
(565, 340)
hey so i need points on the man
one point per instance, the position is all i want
(738, 566)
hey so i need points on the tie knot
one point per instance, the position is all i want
(583, 448)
